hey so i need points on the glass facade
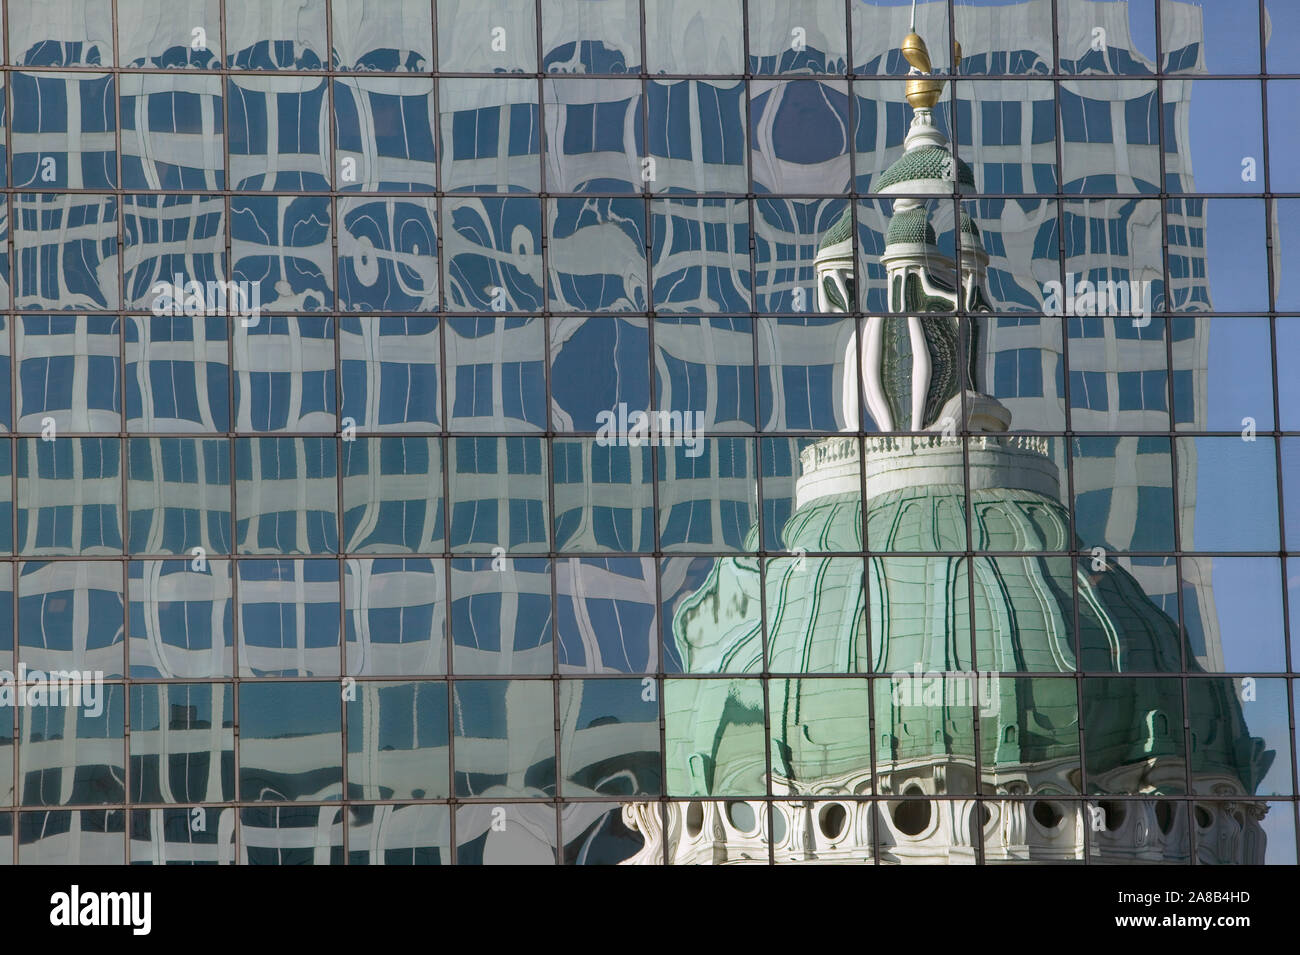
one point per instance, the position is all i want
(414, 412)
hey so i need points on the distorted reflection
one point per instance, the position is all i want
(648, 432)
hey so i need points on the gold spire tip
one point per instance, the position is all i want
(924, 91)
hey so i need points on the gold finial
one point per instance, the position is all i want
(916, 52)
(924, 91)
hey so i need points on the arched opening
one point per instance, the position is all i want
(832, 820)
(1047, 814)
(694, 819)
(741, 815)
(1114, 814)
(911, 816)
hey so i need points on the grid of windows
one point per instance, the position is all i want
(318, 316)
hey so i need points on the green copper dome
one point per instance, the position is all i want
(968, 226)
(925, 162)
(840, 231)
(912, 225)
(910, 612)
